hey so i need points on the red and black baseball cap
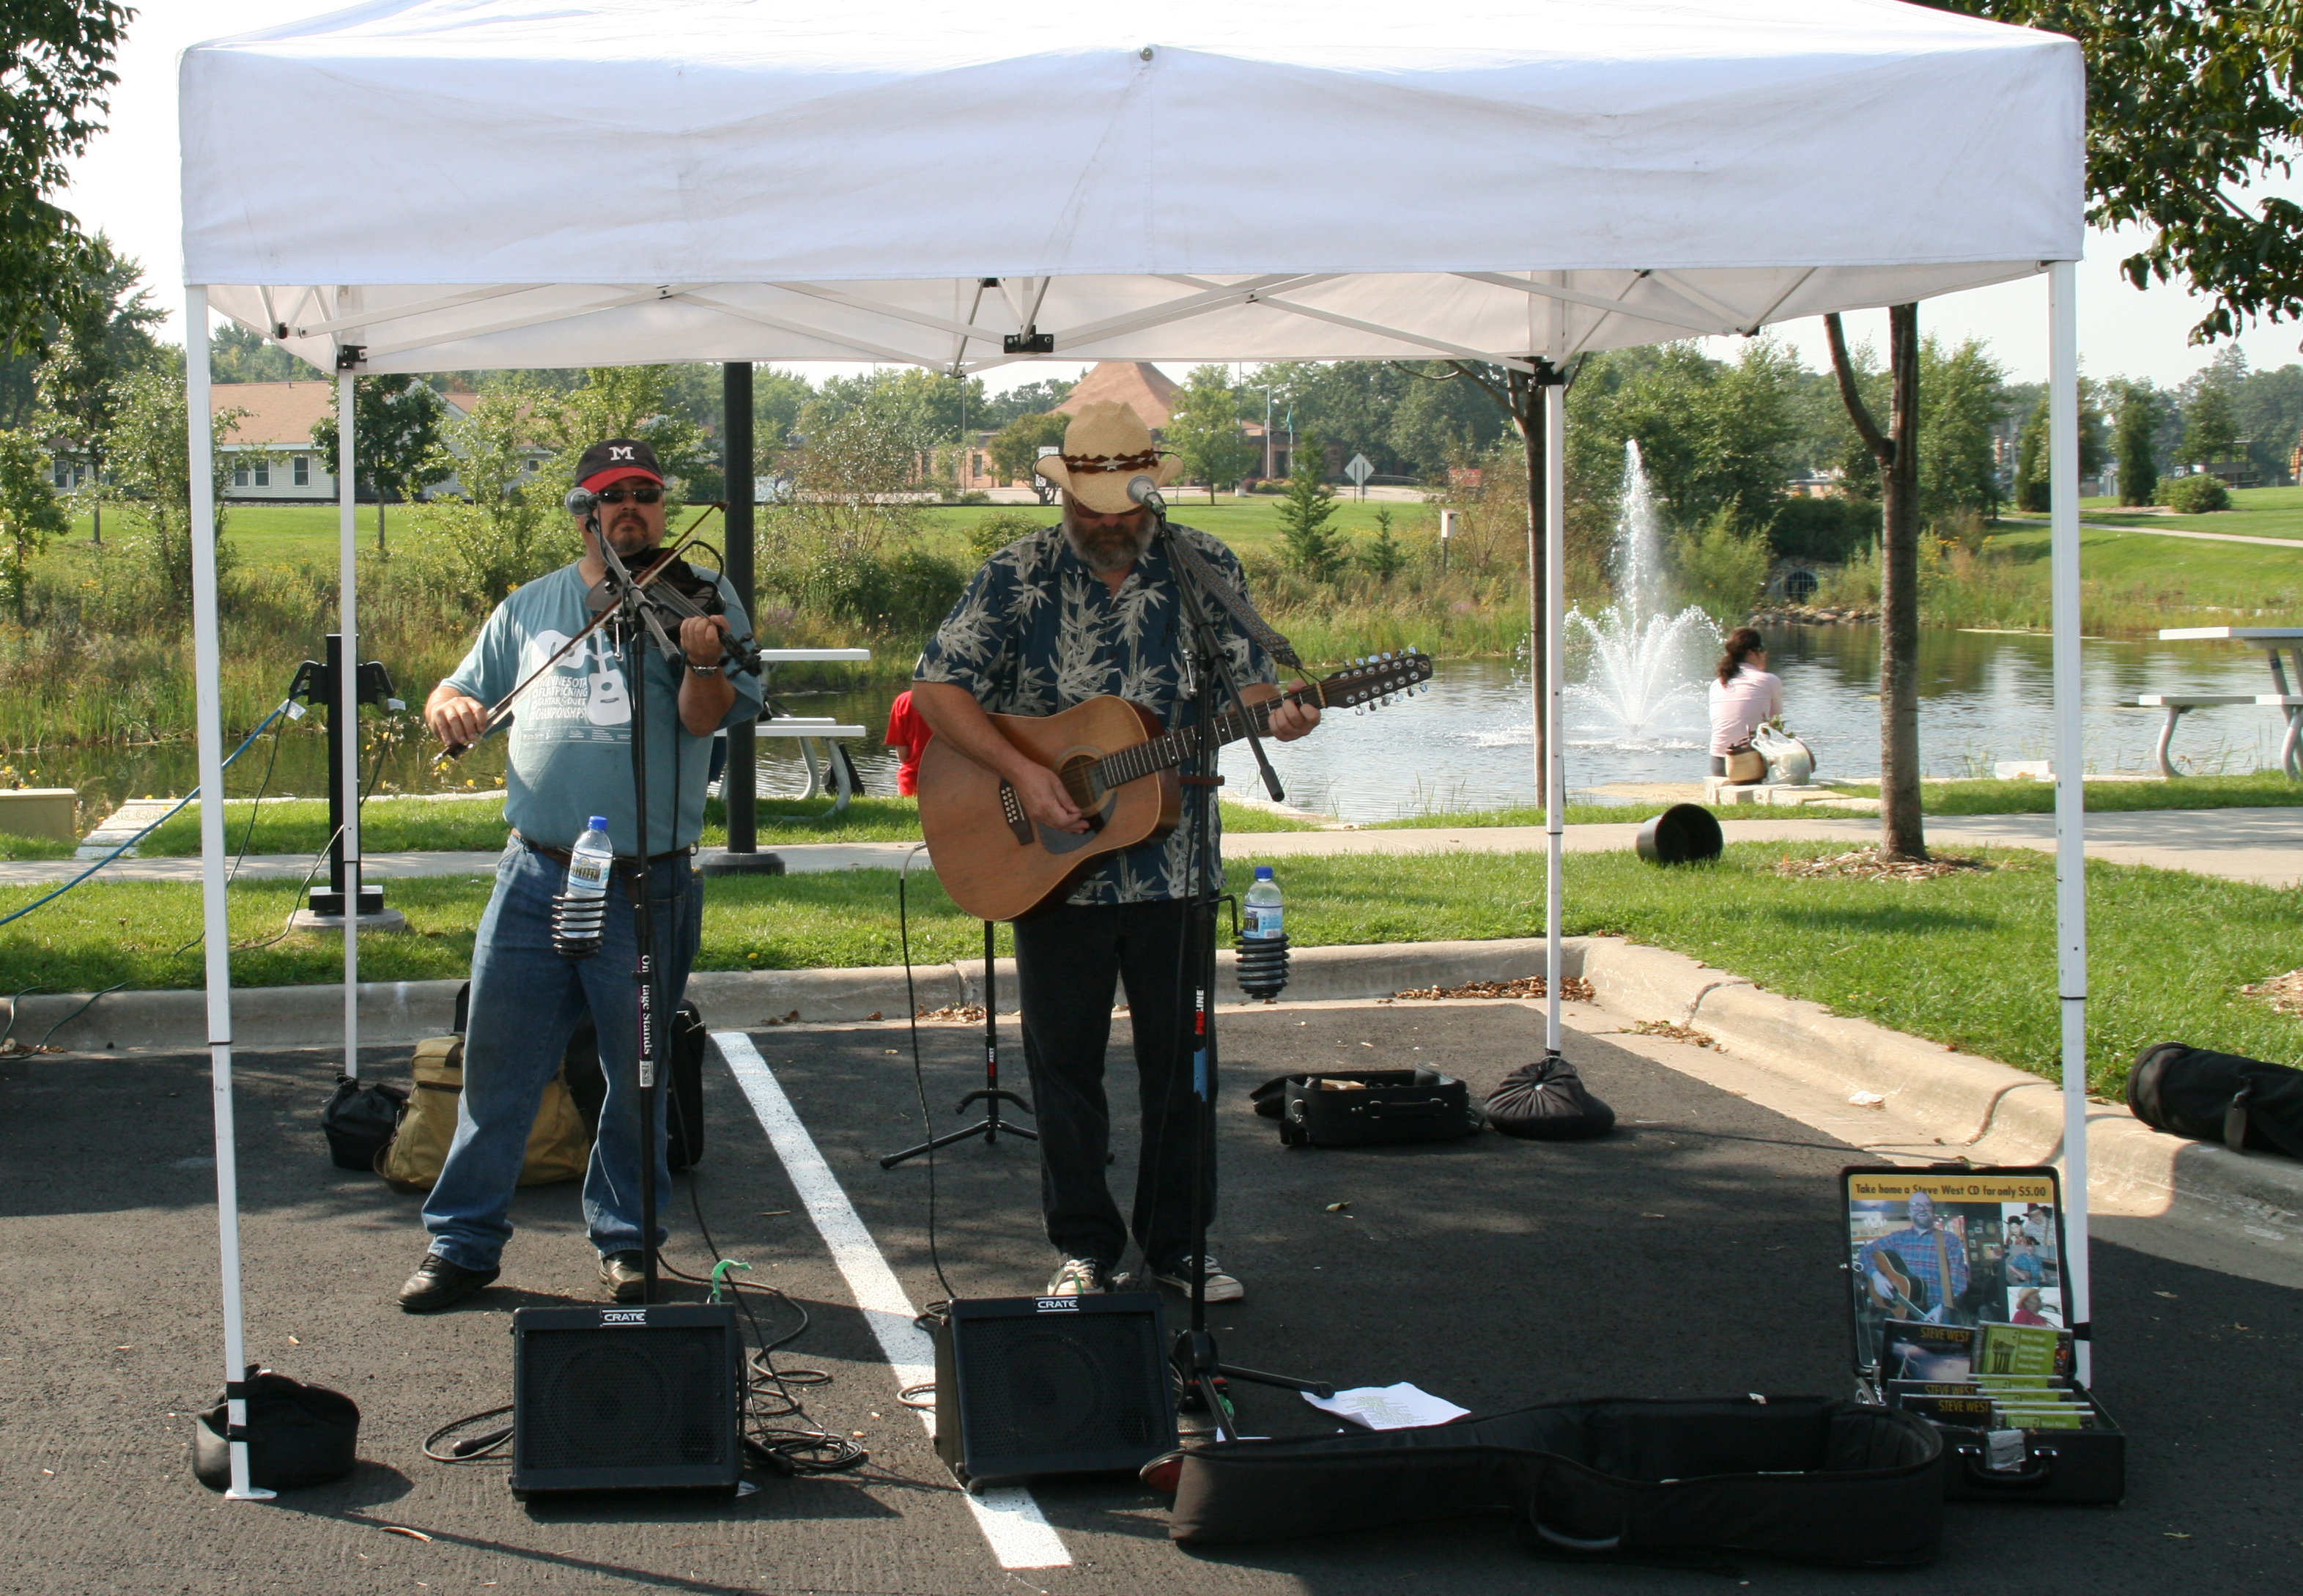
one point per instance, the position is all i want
(615, 459)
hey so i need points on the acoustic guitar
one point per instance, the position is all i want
(1119, 767)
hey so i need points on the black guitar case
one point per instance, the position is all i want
(1805, 1478)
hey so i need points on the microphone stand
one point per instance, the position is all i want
(1195, 1355)
(620, 592)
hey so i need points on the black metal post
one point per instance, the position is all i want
(740, 781)
(321, 696)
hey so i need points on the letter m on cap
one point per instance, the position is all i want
(621, 452)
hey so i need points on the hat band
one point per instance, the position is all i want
(1147, 460)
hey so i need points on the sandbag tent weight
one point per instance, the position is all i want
(1628, 174)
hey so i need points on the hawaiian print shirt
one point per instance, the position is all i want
(1037, 632)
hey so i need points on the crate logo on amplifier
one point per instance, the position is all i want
(609, 1316)
(1058, 1304)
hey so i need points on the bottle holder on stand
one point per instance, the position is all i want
(577, 923)
(1262, 967)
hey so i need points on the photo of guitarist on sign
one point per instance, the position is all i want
(1081, 620)
(1925, 1255)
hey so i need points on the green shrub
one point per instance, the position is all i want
(994, 532)
(1830, 531)
(1721, 566)
(2194, 495)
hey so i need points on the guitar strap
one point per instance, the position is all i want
(1235, 603)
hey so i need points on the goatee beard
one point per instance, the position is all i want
(1105, 549)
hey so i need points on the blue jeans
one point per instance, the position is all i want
(526, 1001)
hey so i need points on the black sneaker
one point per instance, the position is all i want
(1220, 1287)
(1076, 1277)
(439, 1284)
(624, 1275)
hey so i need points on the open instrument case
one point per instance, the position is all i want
(1936, 1255)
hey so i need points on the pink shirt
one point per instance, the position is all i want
(1739, 704)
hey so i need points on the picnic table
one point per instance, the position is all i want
(2271, 640)
(838, 774)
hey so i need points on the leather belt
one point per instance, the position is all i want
(624, 861)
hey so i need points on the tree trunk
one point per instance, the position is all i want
(1902, 832)
(379, 524)
(96, 522)
(1527, 415)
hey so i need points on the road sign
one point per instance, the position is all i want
(1360, 470)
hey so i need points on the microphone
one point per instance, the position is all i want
(581, 501)
(1146, 492)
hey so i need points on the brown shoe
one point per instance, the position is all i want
(624, 1275)
(439, 1284)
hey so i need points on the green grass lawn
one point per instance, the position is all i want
(2256, 788)
(12, 846)
(398, 825)
(1966, 959)
(2255, 511)
(289, 534)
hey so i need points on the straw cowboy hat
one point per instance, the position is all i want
(1106, 447)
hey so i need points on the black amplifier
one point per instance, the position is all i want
(627, 1398)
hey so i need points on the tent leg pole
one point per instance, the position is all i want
(1555, 653)
(346, 709)
(2071, 799)
(207, 656)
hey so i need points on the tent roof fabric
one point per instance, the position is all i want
(615, 181)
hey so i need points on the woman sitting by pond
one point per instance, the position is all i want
(1745, 694)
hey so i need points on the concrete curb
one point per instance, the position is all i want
(1982, 1109)
(404, 1012)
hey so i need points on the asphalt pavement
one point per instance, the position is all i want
(1694, 1252)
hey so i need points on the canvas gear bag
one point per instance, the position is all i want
(2247, 1104)
(559, 1147)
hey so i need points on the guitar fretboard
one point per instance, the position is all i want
(1171, 749)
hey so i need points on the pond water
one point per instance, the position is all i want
(1984, 698)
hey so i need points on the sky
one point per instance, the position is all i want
(126, 186)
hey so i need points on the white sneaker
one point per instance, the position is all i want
(1078, 1277)
(1220, 1286)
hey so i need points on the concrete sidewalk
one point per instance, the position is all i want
(2263, 846)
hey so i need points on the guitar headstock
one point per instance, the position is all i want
(1373, 682)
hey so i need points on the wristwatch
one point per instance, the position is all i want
(714, 669)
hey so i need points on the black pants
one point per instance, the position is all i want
(1068, 958)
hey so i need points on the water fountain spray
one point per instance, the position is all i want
(1645, 671)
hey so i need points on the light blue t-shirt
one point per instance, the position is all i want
(571, 733)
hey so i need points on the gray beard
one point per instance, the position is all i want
(1111, 556)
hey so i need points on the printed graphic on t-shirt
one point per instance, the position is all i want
(586, 690)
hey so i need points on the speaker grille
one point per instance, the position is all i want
(613, 1398)
(1074, 1384)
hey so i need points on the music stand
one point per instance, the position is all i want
(990, 1097)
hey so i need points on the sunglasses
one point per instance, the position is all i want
(638, 495)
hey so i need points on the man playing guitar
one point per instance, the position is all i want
(1926, 1261)
(1084, 608)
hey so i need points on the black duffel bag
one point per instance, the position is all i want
(2245, 1103)
(682, 1076)
(1807, 1478)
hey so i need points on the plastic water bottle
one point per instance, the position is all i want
(581, 909)
(1263, 917)
(1262, 967)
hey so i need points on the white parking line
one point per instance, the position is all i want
(1019, 1533)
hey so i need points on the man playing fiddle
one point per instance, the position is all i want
(569, 759)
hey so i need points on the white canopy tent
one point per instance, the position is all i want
(498, 183)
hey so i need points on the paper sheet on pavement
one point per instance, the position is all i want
(1401, 1406)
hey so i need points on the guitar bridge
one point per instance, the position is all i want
(1011, 809)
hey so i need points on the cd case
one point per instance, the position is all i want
(1958, 1308)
